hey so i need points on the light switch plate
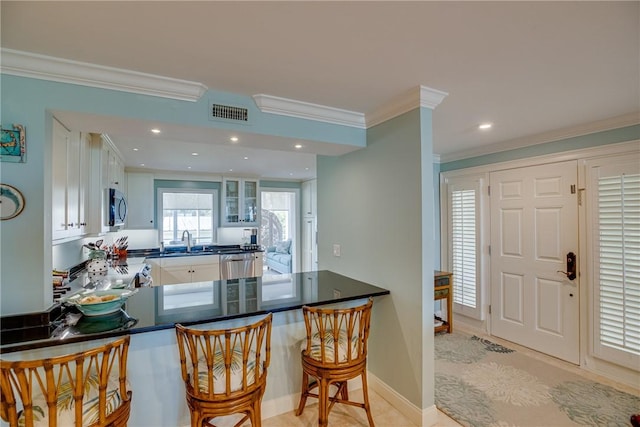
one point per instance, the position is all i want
(336, 250)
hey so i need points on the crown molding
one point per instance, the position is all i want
(305, 110)
(542, 138)
(32, 65)
(25, 64)
(422, 96)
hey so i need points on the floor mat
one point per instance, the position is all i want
(480, 383)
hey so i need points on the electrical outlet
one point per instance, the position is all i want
(336, 250)
(337, 293)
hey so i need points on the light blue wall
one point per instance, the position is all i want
(436, 216)
(25, 275)
(628, 133)
(371, 203)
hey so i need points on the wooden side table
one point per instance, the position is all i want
(442, 289)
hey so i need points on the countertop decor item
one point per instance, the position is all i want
(99, 303)
(13, 144)
(11, 202)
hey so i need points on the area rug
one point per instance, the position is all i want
(479, 383)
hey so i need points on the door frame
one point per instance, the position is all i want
(297, 218)
(586, 359)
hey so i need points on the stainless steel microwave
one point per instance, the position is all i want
(117, 205)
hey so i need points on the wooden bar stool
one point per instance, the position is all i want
(335, 351)
(225, 371)
(82, 389)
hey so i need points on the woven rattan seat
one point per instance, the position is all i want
(82, 389)
(225, 371)
(334, 352)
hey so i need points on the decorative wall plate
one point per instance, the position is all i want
(11, 202)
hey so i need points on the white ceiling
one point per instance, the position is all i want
(534, 69)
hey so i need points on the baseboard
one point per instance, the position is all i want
(280, 405)
(420, 417)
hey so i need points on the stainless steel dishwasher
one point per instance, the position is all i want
(237, 266)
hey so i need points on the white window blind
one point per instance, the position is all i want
(463, 247)
(618, 275)
(613, 258)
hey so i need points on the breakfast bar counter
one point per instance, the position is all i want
(150, 315)
(161, 307)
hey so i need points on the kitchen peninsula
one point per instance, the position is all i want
(160, 307)
(151, 313)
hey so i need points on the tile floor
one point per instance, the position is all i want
(384, 415)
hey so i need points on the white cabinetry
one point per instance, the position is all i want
(140, 200)
(309, 228)
(70, 174)
(309, 190)
(240, 203)
(187, 269)
(258, 265)
(107, 171)
(112, 165)
(309, 245)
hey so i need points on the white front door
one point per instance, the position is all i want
(534, 225)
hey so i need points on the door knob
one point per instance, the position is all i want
(571, 266)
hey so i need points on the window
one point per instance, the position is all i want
(191, 210)
(463, 246)
(462, 227)
(615, 226)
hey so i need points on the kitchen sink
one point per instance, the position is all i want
(181, 250)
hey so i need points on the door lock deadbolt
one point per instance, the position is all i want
(571, 266)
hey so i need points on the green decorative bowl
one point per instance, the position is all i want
(89, 304)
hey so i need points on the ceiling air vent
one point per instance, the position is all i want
(228, 112)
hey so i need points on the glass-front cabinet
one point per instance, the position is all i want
(240, 202)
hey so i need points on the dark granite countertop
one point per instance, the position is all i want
(161, 307)
(196, 250)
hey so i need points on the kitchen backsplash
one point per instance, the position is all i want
(68, 254)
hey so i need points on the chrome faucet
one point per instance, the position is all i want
(188, 239)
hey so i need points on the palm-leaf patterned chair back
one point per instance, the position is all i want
(225, 371)
(82, 389)
(333, 352)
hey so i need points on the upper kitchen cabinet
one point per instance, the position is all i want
(106, 171)
(112, 166)
(240, 204)
(69, 180)
(309, 190)
(140, 200)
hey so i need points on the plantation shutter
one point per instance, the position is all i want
(463, 230)
(619, 244)
(616, 260)
(463, 246)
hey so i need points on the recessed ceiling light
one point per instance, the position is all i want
(141, 164)
(298, 146)
(485, 126)
(306, 169)
(194, 154)
(188, 167)
(290, 173)
(155, 130)
(135, 149)
(234, 139)
(230, 170)
(246, 158)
